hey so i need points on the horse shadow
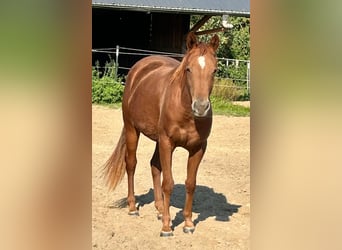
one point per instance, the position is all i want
(206, 203)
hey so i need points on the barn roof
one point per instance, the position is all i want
(218, 7)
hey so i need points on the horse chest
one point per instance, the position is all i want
(188, 136)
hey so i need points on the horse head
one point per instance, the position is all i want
(200, 66)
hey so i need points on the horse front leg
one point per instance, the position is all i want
(165, 152)
(195, 157)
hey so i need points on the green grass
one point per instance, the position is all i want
(224, 107)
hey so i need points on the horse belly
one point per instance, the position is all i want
(149, 129)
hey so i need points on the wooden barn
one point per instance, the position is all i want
(153, 24)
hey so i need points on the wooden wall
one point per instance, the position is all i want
(169, 31)
(134, 29)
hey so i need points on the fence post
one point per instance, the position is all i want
(248, 76)
(116, 61)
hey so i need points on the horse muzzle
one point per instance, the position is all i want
(200, 108)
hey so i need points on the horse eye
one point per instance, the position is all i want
(215, 70)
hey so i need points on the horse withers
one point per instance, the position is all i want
(168, 101)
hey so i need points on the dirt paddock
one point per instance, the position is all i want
(221, 209)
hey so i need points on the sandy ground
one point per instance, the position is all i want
(221, 209)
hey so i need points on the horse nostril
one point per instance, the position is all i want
(200, 107)
(206, 105)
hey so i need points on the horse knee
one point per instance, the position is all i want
(167, 186)
(190, 186)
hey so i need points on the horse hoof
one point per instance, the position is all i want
(166, 234)
(133, 213)
(188, 230)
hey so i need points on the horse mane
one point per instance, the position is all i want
(180, 71)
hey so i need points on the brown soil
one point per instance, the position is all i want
(221, 209)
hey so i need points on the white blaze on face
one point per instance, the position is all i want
(201, 61)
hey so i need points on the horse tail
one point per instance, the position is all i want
(114, 168)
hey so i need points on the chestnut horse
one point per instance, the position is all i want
(167, 101)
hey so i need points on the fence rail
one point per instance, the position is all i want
(238, 71)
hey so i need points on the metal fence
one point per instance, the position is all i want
(238, 71)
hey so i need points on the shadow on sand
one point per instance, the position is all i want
(207, 203)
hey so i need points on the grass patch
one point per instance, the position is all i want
(223, 107)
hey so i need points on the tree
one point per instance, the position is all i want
(235, 42)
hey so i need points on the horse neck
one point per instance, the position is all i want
(180, 89)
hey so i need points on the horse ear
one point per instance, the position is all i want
(215, 42)
(191, 40)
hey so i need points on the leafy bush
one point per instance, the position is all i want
(106, 88)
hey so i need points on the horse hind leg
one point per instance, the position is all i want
(132, 137)
(156, 173)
